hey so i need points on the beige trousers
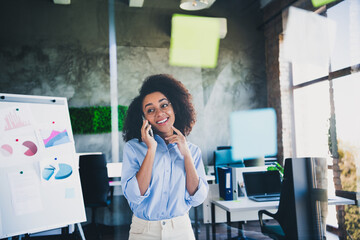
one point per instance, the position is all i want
(177, 228)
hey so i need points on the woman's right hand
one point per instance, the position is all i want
(145, 136)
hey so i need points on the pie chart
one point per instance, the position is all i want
(32, 148)
(48, 172)
(6, 150)
(65, 170)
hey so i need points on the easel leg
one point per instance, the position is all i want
(81, 231)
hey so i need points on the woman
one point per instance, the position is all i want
(163, 175)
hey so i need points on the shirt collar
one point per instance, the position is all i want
(162, 143)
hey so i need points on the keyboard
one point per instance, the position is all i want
(264, 198)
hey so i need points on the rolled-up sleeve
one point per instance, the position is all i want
(129, 181)
(203, 187)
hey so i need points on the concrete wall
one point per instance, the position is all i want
(56, 50)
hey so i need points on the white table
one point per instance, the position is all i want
(114, 169)
(248, 207)
(210, 178)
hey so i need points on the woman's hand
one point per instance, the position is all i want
(192, 178)
(180, 139)
(143, 176)
(145, 136)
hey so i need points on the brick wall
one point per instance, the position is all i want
(273, 29)
(279, 77)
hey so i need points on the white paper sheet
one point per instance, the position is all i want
(309, 39)
(346, 15)
(307, 34)
(15, 117)
(25, 191)
(18, 145)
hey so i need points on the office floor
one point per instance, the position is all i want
(252, 231)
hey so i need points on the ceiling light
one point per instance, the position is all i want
(193, 5)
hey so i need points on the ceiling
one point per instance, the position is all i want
(174, 4)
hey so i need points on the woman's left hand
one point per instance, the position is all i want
(192, 178)
(180, 139)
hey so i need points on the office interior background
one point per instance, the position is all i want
(49, 49)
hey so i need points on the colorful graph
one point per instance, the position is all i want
(31, 148)
(56, 138)
(6, 150)
(15, 119)
(47, 172)
(63, 171)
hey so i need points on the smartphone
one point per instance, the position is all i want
(150, 130)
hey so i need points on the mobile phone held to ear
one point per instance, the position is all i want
(150, 130)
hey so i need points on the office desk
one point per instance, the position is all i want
(118, 182)
(247, 208)
(210, 178)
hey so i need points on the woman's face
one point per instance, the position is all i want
(159, 112)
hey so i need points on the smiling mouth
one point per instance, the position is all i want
(162, 121)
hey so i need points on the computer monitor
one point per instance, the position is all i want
(253, 134)
(223, 158)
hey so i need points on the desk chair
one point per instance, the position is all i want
(95, 185)
(283, 216)
(299, 214)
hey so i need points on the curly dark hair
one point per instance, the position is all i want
(174, 91)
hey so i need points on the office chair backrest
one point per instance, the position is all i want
(299, 214)
(94, 179)
(286, 211)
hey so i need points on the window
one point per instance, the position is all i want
(326, 109)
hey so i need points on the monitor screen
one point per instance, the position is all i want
(262, 183)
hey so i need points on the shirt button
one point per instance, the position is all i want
(163, 223)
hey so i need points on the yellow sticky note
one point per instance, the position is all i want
(194, 41)
(319, 3)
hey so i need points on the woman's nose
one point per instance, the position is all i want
(159, 112)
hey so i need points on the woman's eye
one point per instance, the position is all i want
(165, 105)
(150, 111)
